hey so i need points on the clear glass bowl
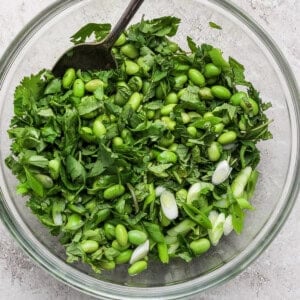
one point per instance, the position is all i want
(41, 43)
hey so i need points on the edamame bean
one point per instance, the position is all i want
(146, 87)
(45, 180)
(137, 267)
(135, 83)
(192, 131)
(221, 92)
(92, 85)
(123, 257)
(254, 106)
(150, 114)
(114, 191)
(91, 205)
(107, 265)
(99, 129)
(160, 92)
(117, 141)
(167, 140)
(111, 253)
(206, 94)
(249, 106)
(173, 147)
(166, 157)
(118, 247)
(167, 109)
(109, 231)
(227, 137)
(137, 237)
(173, 47)
(68, 78)
(130, 51)
(218, 128)
(185, 118)
(131, 67)
(181, 67)
(200, 246)
(127, 136)
(211, 70)
(217, 58)
(87, 134)
(236, 98)
(78, 88)
(104, 118)
(171, 98)
(196, 77)
(162, 250)
(74, 222)
(169, 122)
(180, 80)
(120, 41)
(114, 50)
(214, 152)
(135, 100)
(144, 64)
(89, 246)
(54, 167)
(121, 235)
(208, 115)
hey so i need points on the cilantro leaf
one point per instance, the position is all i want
(214, 25)
(100, 31)
(28, 93)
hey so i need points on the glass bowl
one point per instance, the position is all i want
(41, 43)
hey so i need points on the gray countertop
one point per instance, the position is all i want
(274, 275)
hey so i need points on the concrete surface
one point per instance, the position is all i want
(275, 275)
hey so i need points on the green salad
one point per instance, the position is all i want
(153, 161)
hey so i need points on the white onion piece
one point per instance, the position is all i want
(168, 205)
(221, 172)
(140, 252)
(228, 227)
(229, 146)
(57, 219)
(213, 216)
(159, 190)
(216, 232)
(195, 190)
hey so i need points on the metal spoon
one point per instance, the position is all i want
(96, 56)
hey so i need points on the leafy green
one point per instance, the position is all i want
(214, 25)
(100, 31)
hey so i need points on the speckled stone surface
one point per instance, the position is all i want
(274, 275)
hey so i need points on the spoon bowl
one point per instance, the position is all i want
(96, 56)
(89, 56)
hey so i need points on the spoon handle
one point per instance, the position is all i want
(127, 15)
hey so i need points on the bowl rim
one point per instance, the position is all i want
(223, 274)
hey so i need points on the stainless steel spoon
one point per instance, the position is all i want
(96, 56)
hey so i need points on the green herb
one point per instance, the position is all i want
(214, 25)
(100, 31)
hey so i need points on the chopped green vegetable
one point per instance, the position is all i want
(155, 159)
(214, 25)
